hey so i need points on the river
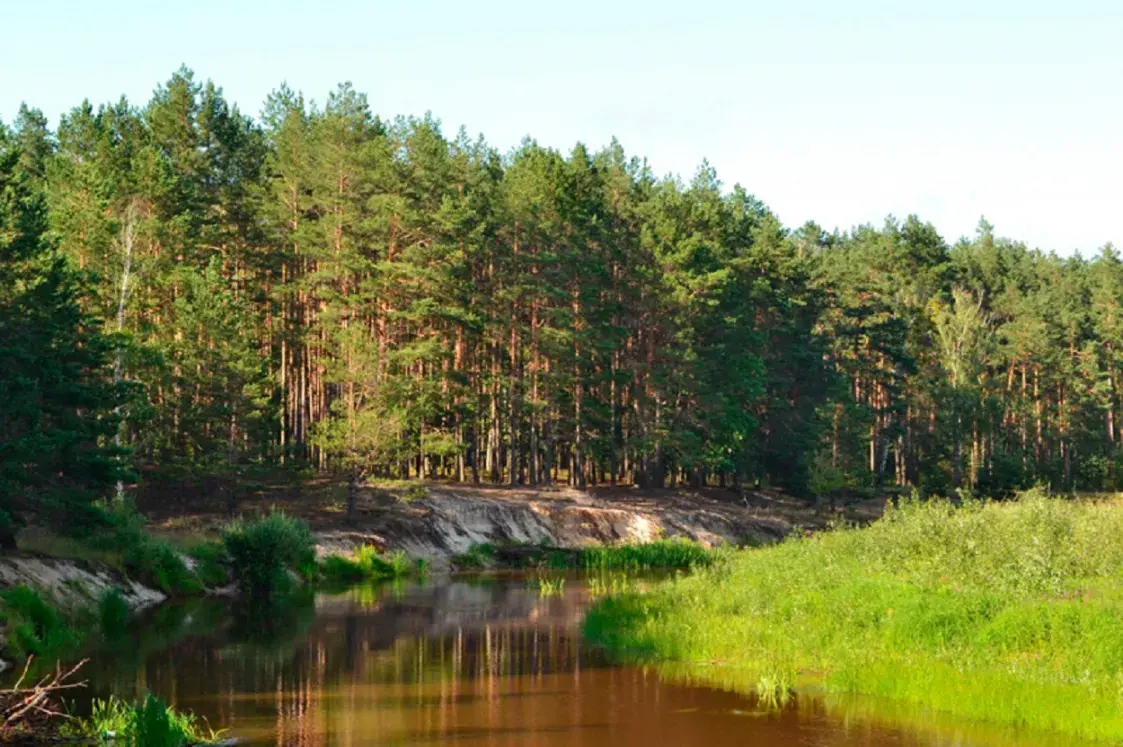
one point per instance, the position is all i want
(464, 661)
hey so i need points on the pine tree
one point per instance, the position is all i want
(57, 402)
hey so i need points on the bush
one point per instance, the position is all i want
(262, 552)
(211, 564)
(157, 563)
(113, 614)
(477, 557)
(34, 626)
(151, 561)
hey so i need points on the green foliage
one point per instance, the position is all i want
(150, 723)
(158, 563)
(369, 564)
(673, 553)
(550, 587)
(113, 615)
(148, 559)
(263, 552)
(211, 564)
(59, 405)
(997, 611)
(478, 557)
(34, 626)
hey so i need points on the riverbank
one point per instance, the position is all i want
(1007, 613)
(440, 520)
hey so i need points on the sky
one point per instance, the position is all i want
(838, 112)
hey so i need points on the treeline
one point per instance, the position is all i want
(323, 287)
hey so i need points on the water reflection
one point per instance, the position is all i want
(463, 662)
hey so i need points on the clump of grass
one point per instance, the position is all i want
(550, 587)
(150, 723)
(157, 563)
(477, 557)
(150, 560)
(672, 553)
(113, 615)
(605, 585)
(34, 626)
(263, 552)
(368, 564)
(998, 612)
(211, 564)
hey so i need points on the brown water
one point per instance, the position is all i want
(461, 662)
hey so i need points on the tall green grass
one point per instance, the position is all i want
(636, 556)
(149, 723)
(641, 556)
(368, 564)
(1010, 613)
(34, 626)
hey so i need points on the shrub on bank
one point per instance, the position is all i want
(148, 559)
(113, 615)
(33, 625)
(263, 552)
(1002, 612)
(211, 564)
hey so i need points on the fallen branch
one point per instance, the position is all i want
(19, 704)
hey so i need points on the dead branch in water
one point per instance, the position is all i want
(19, 706)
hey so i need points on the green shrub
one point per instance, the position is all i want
(157, 563)
(262, 552)
(113, 614)
(211, 564)
(477, 557)
(151, 561)
(34, 626)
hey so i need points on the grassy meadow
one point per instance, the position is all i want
(1010, 613)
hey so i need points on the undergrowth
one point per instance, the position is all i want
(641, 556)
(34, 626)
(263, 552)
(368, 564)
(1007, 613)
(149, 723)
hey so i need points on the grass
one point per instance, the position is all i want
(639, 556)
(149, 723)
(549, 587)
(34, 626)
(670, 553)
(369, 565)
(1007, 613)
(211, 564)
(113, 615)
(610, 585)
(477, 557)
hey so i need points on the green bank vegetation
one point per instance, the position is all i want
(1004, 612)
(367, 564)
(665, 554)
(148, 723)
(522, 318)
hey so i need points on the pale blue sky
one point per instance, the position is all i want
(842, 112)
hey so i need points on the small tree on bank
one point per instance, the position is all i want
(363, 432)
